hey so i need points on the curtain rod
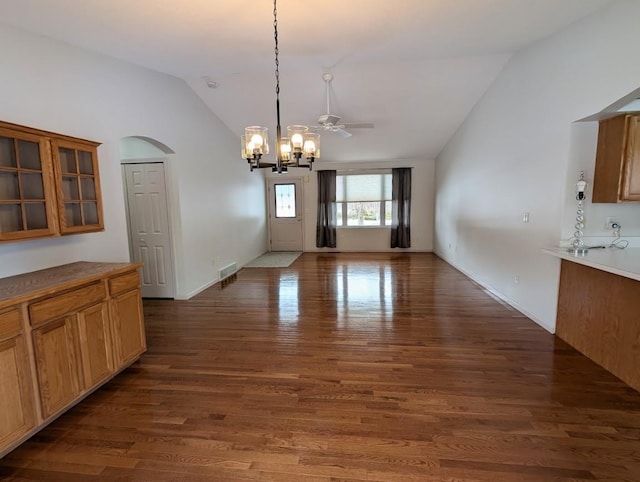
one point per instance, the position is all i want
(364, 169)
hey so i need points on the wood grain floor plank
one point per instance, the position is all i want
(350, 367)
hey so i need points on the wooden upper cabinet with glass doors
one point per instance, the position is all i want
(78, 186)
(27, 194)
(49, 184)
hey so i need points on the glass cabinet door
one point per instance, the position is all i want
(27, 197)
(78, 183)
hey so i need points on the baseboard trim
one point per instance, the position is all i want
(532, 316)
(197, 291)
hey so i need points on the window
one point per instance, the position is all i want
(363, 199)
(285, 200)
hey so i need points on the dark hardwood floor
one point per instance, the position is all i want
(350, 367)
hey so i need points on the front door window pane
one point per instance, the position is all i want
(285, 200)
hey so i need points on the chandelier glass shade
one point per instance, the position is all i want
(299, 143)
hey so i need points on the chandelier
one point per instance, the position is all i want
(290, 150)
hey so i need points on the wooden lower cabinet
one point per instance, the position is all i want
(17, 417)
(96, 349)
(63, 332)
(128, 327)
(72, 355)
(54, 347)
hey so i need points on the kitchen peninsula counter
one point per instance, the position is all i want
(623, 262)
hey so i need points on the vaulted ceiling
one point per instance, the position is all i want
(414, 68)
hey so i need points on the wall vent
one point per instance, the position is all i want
(227, 271)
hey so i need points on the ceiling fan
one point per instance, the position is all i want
(330, 122)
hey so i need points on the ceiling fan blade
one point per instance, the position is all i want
(365, 125)
(342, 133)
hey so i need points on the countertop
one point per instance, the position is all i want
(16, 289)
(623, 262)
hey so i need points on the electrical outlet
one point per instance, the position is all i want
(611, 220)
(525, 217)
(516, 279)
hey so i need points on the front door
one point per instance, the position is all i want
(285, 214)
(149, 227)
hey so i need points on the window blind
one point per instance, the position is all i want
(363, 187)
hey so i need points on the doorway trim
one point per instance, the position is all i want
(271, 180)
(168, 175)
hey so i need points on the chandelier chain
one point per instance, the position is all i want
(276, 51)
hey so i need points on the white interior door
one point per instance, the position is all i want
(149, 227)
(285, 214)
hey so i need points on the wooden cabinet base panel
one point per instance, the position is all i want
(598, 315)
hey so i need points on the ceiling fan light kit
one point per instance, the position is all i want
(328, 119)
(290, 150)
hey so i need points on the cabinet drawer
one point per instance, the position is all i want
(9, 324)
(51, 308)
(125, 282)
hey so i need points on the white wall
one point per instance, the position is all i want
(512, 153)
(371, 238)
(56, 87)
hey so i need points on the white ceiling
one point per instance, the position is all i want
(414, 68)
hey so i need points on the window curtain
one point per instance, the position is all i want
(326, 224)
(401, 207)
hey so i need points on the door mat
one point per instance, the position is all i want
(275, 259)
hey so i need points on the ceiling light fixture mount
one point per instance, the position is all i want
(290, 150)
